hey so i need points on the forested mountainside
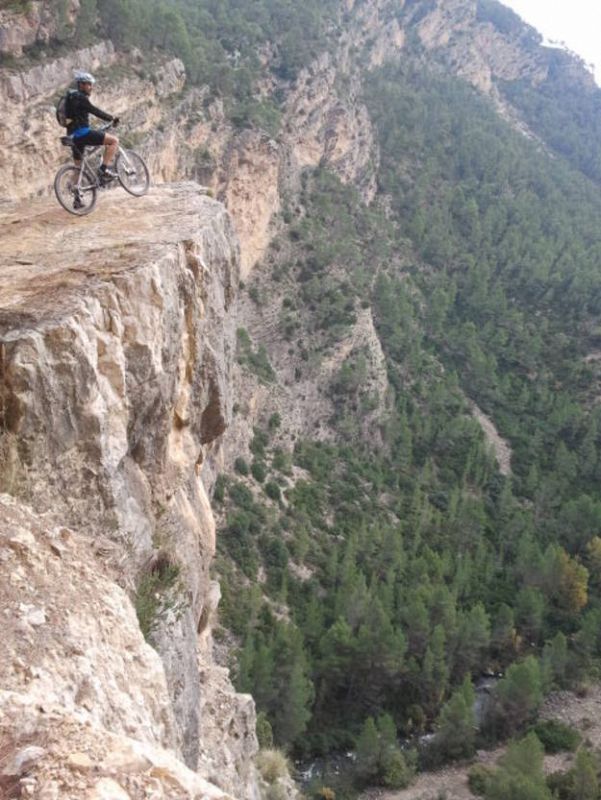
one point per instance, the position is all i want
(395, 559)
(379, 549)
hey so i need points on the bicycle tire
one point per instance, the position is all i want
(67, 193)
(133, 173)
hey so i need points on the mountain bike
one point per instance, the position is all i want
(76, 187)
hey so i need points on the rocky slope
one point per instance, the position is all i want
(116, 346)
(84, 704)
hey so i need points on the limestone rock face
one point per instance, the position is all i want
(476, 50)
(329, 128)
(85, 710)
(249, 186)
(37, 26)
(116, 345)
(70, 634)
(78, 760)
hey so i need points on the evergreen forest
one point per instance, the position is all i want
(428, 567)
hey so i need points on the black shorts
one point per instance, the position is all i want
(90, 139)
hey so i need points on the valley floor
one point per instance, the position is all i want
(582, 713)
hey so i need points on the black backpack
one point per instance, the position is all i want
(63, 109)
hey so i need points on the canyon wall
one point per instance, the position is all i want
(116, 346)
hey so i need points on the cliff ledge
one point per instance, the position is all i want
(116, 345)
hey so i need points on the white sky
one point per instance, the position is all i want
(575, 22)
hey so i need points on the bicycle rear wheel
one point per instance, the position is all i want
(74, 198)
(132, 173)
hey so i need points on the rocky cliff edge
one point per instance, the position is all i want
(116, 344)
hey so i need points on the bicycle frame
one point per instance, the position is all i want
(75, 181)
(85, 168)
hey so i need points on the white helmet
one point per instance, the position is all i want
(84, 77)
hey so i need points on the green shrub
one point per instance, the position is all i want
(153, 594)
(241, 495)
(259, 471)
(256, 360)
(219, 490)
(478, 779)
(259, 442)
(282, 462)
(275, 420)
(273, 491)
(396, 772)
(241, 466)
(561, 785)
(264, 731)
(556, 736)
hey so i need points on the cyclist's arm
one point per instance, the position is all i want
(97, 112)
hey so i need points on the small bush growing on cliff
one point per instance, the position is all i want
(241, 466)
(273, 491)
(264, 731)
(259, 442)
(259, 471)
(272, 765)
(219, 490)
(155, 594)
(282, 462)
(275, 420)
(257, 361)
(277, 791)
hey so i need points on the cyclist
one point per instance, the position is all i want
(79, 111)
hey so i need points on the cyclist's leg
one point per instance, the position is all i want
(111, 143)
(77, 152)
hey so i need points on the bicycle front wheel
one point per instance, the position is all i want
(75, 197)
(132, 173)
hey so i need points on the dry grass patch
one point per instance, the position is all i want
(272, 765)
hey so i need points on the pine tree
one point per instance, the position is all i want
(503, 636)
(435, 671)
(368, 751)
(292, 690)
(555, 661)
(585, 780)
(472, 640)
(530, 607)
(456, 724)
(520, 776)
(519, 695)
